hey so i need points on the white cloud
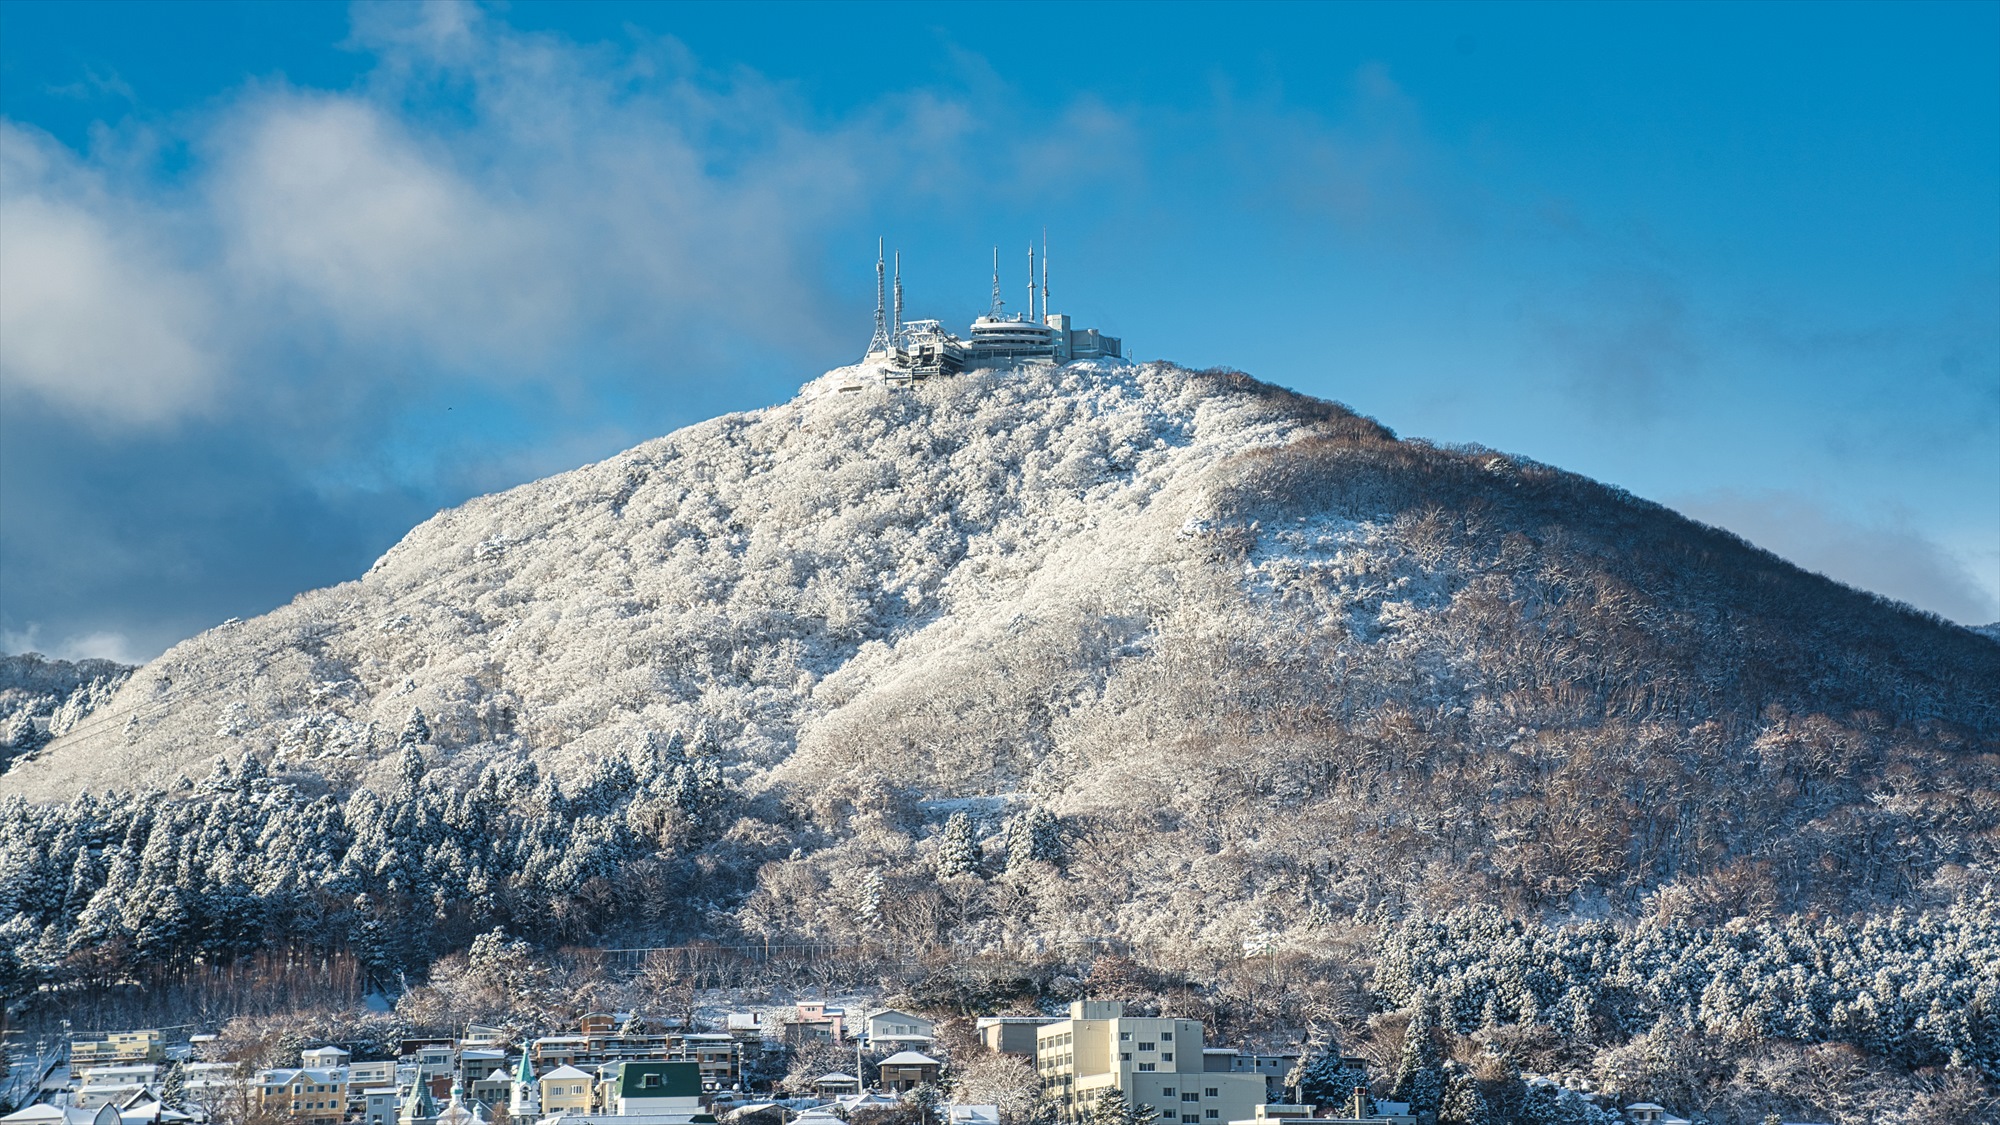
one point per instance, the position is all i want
(1887, 555)
(100, 645)
(94, 317)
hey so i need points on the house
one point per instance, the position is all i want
(894, 1030)
(312, 1094)
(1650, 1113)
(373, 1072)
(970, 1114)
(833, 1085)
(379, 1105)
(719, 1057)
(1010, 1035)
(907, 1070)
(816, 1023)
(1274, 1066)
(647, 1088)
(111, 1085)
(319, 1058)
(118, 1047)
(144, 1106)
(566, 1090)
(558, 1050)
(1156, 1062)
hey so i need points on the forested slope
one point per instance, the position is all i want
(1204, 656)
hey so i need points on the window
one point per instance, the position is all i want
(1190, 1096)
(648, 1081)
(1166, 1036)
(576, 1089)
(1124, 1037)
(1190, 1118)
(1145, 1066)
(1167, 1092)
(1211, 1113)
(1166, 1056)
(1211, 1092)
(1124, 1056)
(1145, 1046)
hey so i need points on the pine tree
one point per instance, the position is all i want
(959, 852)
(1033, 837)
(868, 898)
(1419, 1077)
(635, 1025)
(416, 729)
(173, 1087)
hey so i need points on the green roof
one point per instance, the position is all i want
(676, 1080)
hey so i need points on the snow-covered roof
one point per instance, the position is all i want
(567, 1072)
(836, 1076)
(910, 1058)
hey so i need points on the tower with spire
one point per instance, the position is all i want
(525, 1099)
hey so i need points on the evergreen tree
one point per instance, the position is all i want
(959, 852)
(173, 1087)
(416, 729)
(1033, 837)
(1419, 1074)
(868, 898)
(635, 1024)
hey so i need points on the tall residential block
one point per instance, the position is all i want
(1152, 1061)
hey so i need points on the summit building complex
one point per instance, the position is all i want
(910, 351)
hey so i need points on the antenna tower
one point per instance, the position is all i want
(897, 331)
(998, 304)
(1045, 275)
(880, 343)
(1031, 281)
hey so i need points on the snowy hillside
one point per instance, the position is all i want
(1252, 661)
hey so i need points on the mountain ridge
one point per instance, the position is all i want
(1245, 647)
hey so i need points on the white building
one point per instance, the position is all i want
(907, 352)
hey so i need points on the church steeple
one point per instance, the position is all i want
(526, 1098)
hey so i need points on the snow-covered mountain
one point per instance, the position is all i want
(1253, 658)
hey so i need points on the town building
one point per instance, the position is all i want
(1274, 1066)
(118, 1048)
(1010, 1035)
(45, 1114)
(323, 1057)
(566, 1090)
(816, 1023)
(892, 1030)
(1151, 1061)
(629, 1089)
(906, 352)
(906, 1070)
(317, 1095)
(112, 1085)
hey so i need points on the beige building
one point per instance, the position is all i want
(1152, 1061)
(313, 1094)
(566, 1090)
(118, 1047)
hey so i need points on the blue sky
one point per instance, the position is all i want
(278, 281)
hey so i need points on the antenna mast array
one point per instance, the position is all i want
(1045, 274)
(898, 328)
(880, 343)
(994, 312)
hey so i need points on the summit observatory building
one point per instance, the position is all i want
(912, 351)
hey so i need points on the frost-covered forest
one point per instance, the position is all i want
(1115, 654)
(59, 693)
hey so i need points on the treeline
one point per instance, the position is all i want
(103, 889)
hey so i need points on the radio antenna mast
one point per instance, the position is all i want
(1031, 281)
(994, 312)
(879, 344)
(1045, 274)
(897, 332)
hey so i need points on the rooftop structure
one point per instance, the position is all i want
(911, 351)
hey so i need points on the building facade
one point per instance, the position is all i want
(1151, 1061)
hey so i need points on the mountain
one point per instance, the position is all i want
(1214, 656)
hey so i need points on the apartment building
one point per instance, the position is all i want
(119, 1047)
(316, 1095)
(1152, 1061)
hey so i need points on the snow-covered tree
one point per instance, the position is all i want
(959, 852)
